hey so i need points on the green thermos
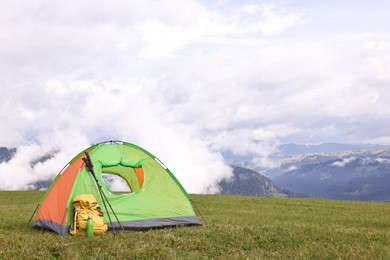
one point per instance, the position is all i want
(89, 227)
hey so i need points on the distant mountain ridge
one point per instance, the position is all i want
(349, 175)
(251, 183)
(291, 149)
(244, 182)
(359, 174)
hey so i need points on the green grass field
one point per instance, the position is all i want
(237, 228)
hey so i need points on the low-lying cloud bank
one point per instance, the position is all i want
(186, 80)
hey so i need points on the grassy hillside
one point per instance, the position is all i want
(238, 227)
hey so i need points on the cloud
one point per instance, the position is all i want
(360, 161)
(186, 80)
(21, 172)
(326, 177)
(308, 86)
(273, 20)
(105, 113)
(344, 162)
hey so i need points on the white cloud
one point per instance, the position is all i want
(105, 113)
(382, 160)
(326, 177)
(186, 81)
(292, 168)
(272, 132)
(272, 19)
(344, 162)
(24, 168)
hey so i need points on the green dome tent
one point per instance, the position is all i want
(156, 198)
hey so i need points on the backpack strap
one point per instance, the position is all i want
(76, 211)
(75, 222)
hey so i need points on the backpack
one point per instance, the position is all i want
(85, 205)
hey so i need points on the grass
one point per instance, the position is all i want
(237, 228)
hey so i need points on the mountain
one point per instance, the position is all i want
(291, 149)
(358, 174)
(250, 183)
(352, 175)
(6, 154)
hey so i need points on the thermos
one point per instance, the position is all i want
(89, 227)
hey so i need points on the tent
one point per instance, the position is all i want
(155, 197)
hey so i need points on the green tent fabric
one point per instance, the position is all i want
(157, 199)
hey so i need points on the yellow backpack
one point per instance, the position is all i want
(85, 205)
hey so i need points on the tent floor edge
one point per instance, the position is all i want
(156, 223)
(53, 226)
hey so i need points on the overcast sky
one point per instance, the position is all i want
(188, 80)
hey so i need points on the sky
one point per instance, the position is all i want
(189, 80)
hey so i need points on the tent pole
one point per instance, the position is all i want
(200, 213)
(28, 224)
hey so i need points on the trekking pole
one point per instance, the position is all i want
(88, 163)
(105, 197)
